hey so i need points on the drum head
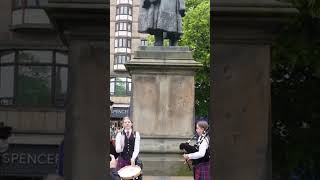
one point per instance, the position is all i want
(129, 172)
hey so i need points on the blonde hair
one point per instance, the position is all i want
(126, 117)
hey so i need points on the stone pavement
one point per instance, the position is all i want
(167, 178)
(53, 177)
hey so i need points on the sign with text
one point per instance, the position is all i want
(119, 112)
(29, 160)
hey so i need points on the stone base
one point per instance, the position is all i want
(157, 164)
(163, 106)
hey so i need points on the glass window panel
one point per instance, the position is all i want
(124, 42)
(120, 42)
(35, 57)
(34, 85)
(121, 26)
(17, 17)
(31, 3)
(129, 87)
(129, 27)
(43, 2)
(112, 88)
(125, 26)
(7, 57)
(121, 10)
(61, 85)
(120, 88)
(17, 4)
(129, 43)
(6, 85)
(61, 58)
(36, 16)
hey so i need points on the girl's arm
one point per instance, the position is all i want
(202, 150)
(136, 147)
(119, 144)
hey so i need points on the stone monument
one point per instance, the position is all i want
(162, 19)
(162, 90)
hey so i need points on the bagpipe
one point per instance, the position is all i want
(195, 148)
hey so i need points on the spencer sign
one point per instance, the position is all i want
(29, 160)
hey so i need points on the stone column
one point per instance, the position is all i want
(242, 35)
(163, 105)
(83, 28)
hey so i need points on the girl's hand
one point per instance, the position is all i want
(186, 157)
(132, 162)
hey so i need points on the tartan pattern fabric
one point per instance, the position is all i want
(202, 171)
(122, 163)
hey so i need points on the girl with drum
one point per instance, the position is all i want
(201, 158)
(128, 145)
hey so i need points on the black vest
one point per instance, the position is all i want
(128, 147)
(205, 158)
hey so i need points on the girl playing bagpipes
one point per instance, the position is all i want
(199, 153)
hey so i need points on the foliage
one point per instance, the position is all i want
(196, 26)
(295, 97)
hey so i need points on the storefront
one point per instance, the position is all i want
(117, 114)
(29, 162)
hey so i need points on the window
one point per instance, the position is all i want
(121, 58)
(124, 10)
(144, 42)
(29, 12)
(122, 43)
(123, 26)
(33, 77)
(120, 86)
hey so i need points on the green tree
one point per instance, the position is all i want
(295, 94)
(196, 28)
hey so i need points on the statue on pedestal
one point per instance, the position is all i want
(163, 19)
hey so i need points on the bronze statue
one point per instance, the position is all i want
(163, 19)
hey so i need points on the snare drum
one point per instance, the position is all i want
(129, 172)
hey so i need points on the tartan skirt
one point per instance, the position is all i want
(202, 171)
(122, 163)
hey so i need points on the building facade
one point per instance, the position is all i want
(124, 39)
(34, 82)
(33, 88)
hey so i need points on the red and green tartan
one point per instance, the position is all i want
(202, 171)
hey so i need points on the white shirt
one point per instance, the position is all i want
(202, 149)
(120, 143)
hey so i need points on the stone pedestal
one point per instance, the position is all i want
(163, 104)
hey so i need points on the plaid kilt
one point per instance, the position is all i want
(202, 171)
(122, 163)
